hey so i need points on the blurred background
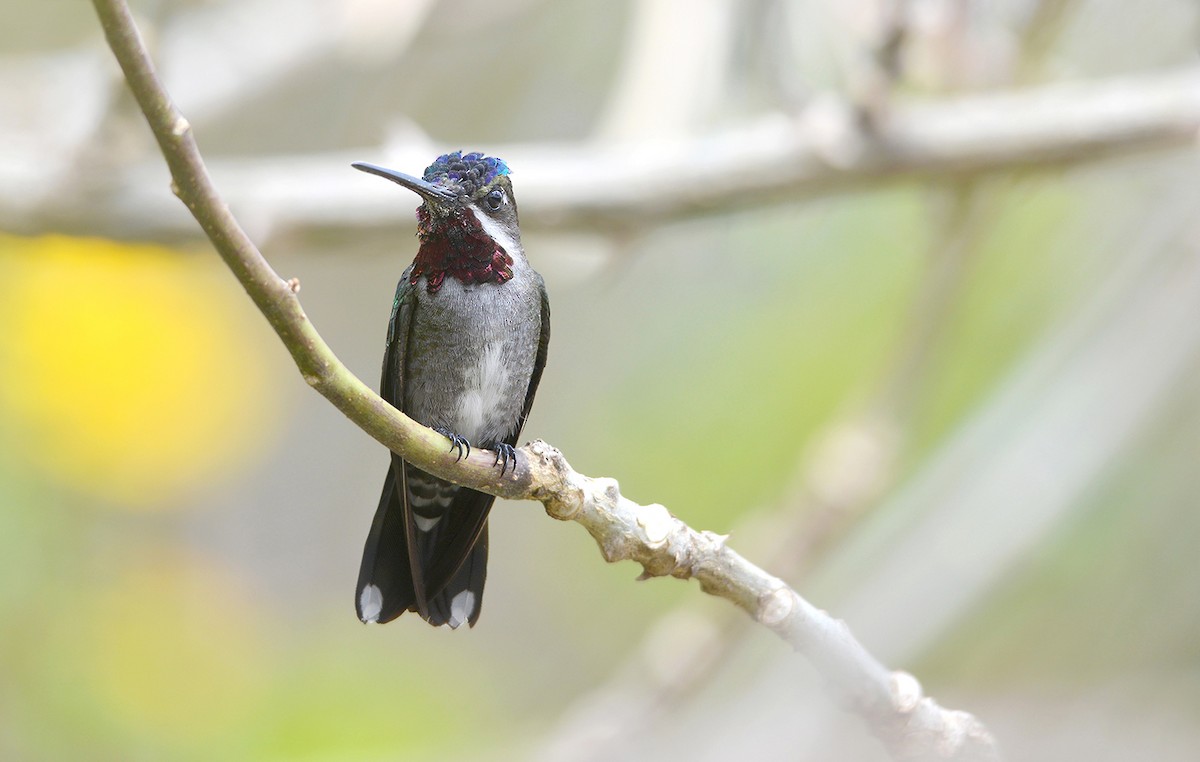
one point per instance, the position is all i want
(904, 294)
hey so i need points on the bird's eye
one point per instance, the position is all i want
(495, 199)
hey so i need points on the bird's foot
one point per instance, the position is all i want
(506, 455)
(456, 442)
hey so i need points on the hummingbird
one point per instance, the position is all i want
(466, 345)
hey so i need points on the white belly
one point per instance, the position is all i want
(485, 405)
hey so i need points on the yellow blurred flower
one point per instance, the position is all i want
(127, 371)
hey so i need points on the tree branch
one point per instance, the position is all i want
(775, 157)
(910, 725)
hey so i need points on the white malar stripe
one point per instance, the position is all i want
(370, 603)
(461, 608)
(425, 524)
(496, 231)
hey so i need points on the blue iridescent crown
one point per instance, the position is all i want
(468, 172)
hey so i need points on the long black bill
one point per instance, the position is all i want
(427, 191)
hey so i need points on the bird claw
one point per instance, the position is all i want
(456, 442)
(506, 455)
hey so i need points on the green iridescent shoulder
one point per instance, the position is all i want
(405, 293)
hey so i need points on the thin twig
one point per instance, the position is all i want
(909, 724)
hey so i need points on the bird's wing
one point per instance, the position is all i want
(391, 563)
(539, 362)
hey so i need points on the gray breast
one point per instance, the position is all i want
(471, 354)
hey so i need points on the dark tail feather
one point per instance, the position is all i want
(461, 600)
(385, 585)
(446, 586)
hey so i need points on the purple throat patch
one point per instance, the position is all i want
(456, 245)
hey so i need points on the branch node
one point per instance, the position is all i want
(906, 692)
(293, 285)
(718, 540)
(315, 380)
(835, 134)
(610, 488)
(656, 523)
(775, 606)
(557, 483)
